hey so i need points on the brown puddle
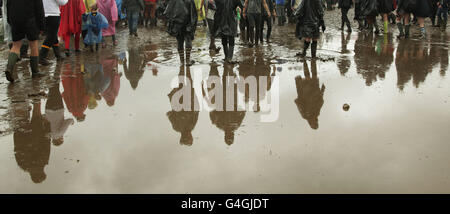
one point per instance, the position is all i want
(105, 123)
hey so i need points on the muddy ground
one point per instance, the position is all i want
(119, 133)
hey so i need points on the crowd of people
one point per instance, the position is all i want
(94, 21)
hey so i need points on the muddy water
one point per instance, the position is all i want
(104, 122)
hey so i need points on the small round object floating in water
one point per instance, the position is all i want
(346, 107)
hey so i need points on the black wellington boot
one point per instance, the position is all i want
(43, 56)
(35, 73)
(305, 48)
(313, 49)
(230, 54)
(57, 53)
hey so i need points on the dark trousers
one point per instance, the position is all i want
(243, 27)
(254, 25)
(227, 41)
(344, 18)
(184, 40)
(268, 20)
(51, 28)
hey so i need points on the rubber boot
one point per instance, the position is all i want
(34, 61)
(12, 59)
(313, 49)
(400, 30)
(43, 56)
(349, 27)
(181, 53)
(189, 62)
(57, 53)
(230, 54)
(226, 52)
(386, 27)
(407, 31)
(305, 48)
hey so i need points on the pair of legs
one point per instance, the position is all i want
(67, 42)
(185, 41)
(228, 47)
(133, 19)
(149, 13)
(442, 15)
(403, 28)
(372, 22)
(19, 32)
(51, 41)
(345, 20)
(254, 25)
(281, 14)
(243, 27)
(268, 20)
(313, 47)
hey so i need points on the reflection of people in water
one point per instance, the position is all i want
(74, 94)
(110, 71)
(96, 82)
(31, 142)
(184, 121)
(228, 121)
(309, 95)
(344, 62)
(135, 68)
(412, 62)
(256, 67)
(54, 113)
(373, 56)
(150, 54)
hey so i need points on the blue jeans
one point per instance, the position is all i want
(442, 13)
(133, 19)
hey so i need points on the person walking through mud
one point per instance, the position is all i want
(133, 8)
(281, 11)
(268, 20)
(253, 13)
(25, 22)
(442, 13)
(150, 13)
(310, 18)
(108, 8)
(71, 23)
(210, 8)
(182, 18)
(420, 9)
(52, 21)
(345, 6)
(225, 25)
(94, 23)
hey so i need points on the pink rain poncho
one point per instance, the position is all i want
(109, 9)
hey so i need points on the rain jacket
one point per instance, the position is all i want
(94, 25)
(310, 17)
(109, 9)
(181, 17)
(225, 18)
(369, 8)
(420, 8)
(122, 14)
(71, 17)
(385, 6)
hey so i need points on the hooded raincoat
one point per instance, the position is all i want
(94, 25)
(310, 17)
(225, 18)
(181, 17)
(109, 9)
